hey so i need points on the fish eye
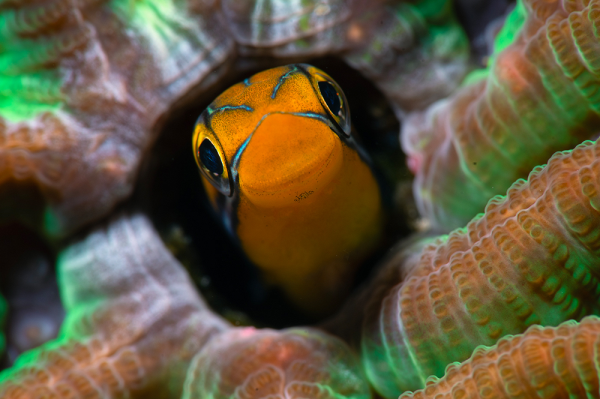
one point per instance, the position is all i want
(209, 156)
(331, 97)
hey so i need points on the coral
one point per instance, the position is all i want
(84, 85)
(135, 323)
(532, 258)
(293, 363)
(540, 95)
(543, 362)
(406, 38)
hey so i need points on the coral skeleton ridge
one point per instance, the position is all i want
(531, 258)
(543, 362)
(539, 95)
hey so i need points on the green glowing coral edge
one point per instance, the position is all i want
(29, 87)
(564, 358)
(530, 259)
(511, 29)
(508, 34)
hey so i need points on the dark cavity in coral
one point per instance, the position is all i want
(171, 191)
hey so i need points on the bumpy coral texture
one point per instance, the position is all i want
(540, 95)
(84, 84)
(294, 363)
(532, 258)
(135, 322)
(548, 362)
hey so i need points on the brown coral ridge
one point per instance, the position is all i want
(414, 51)
(85, 86)
(532, 258)
(136, 327)
(550, 362)
(466, 149)
(246, 363)
(82, 104)
(134, 322)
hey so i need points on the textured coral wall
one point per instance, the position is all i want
(543, 362)
(539, 95)
(531, 258)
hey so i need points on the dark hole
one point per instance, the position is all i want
(171, 192)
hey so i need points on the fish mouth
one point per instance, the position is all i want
(288, 158)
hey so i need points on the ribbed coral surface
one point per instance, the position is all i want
(541, 94)
(544, 362)
(532, 258)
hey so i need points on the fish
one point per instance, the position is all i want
(283, 170)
